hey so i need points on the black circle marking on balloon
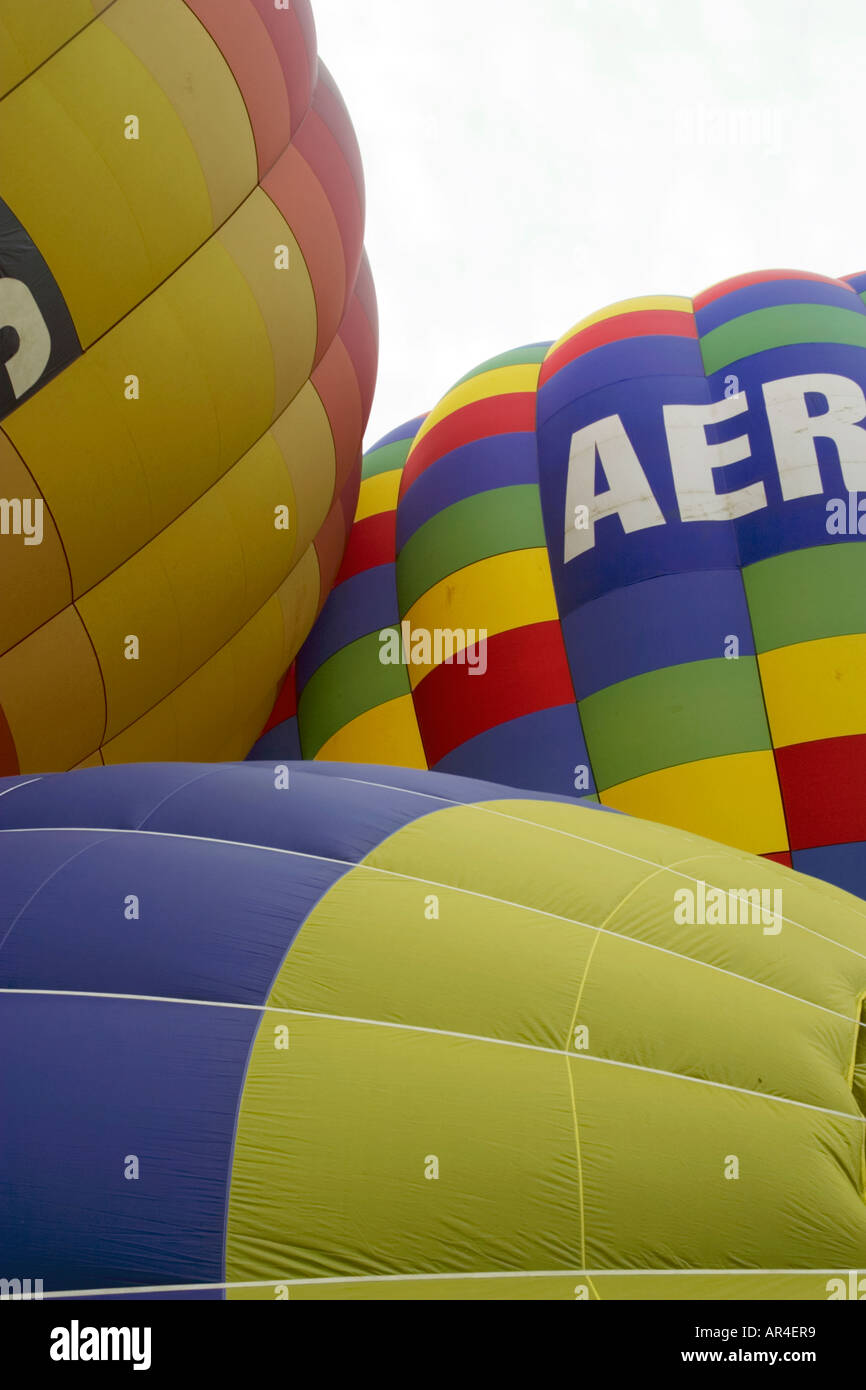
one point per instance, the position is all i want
(21, 259)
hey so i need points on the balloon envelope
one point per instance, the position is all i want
(349, 1032)
(187, 354)
(628, 564)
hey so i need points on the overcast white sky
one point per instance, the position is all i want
(527, 163)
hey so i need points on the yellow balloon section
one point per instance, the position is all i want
(392, 1034)
(187, 357)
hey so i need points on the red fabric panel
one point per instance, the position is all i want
(286, 706)
(643, 323)
(755, 277)
(8, 754)
(294, 188)
(452, 705)
(372, 542)
(338, 389)
(492, 415)
(822, 791)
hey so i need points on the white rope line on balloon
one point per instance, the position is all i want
(414, 1278)
(558, 1052)
(613, 849)
(351, 864)
(19, 785)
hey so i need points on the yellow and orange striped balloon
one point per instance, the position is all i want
(188, 348)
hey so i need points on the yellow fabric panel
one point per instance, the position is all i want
(386, 734)
(298, 597)
(610, 859)
(511, 857)
(643, 304)
(379, 494)
(444, 1288)
(654, 1151)
(167, 38)
(95, 760)
(285, 298)
(414, 1037)
(192, 587)
(303, 435)
(519, 971)
(500, 593)
(500, 381)
(116, 471)
(34, 579)
(591, 868)
(707, 1042)
(212, 709)
(50, 730)
(734, 799)
(408, 1034)
(218, 309)
(814, 690)
(318, 1120)
(31, 30)
(808, 956)
(94, 202)
(734, 1285)
(660, 1286)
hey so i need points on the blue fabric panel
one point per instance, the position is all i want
(783, 526)
(622, 363)
(618, 559)
(405, 431)
(844, 865)
(121, 796)
(502, 460)
(189, 1295)
(215, 920)
(464, 790)
(282, 744)
(766, 294)
(335, 820)
(662, 622)
(96, 1080)
(365, 603)
(539, 751)
(233, 801)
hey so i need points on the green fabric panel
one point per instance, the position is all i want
(350, 682)
(383, 460)
(489, 523)
(680, 714)
(778, 326)
(518, 357)
(807, 594)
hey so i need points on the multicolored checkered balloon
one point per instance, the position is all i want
(628, 565)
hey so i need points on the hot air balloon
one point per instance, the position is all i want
(187, 356)
(640, 550)
(337, 1032)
